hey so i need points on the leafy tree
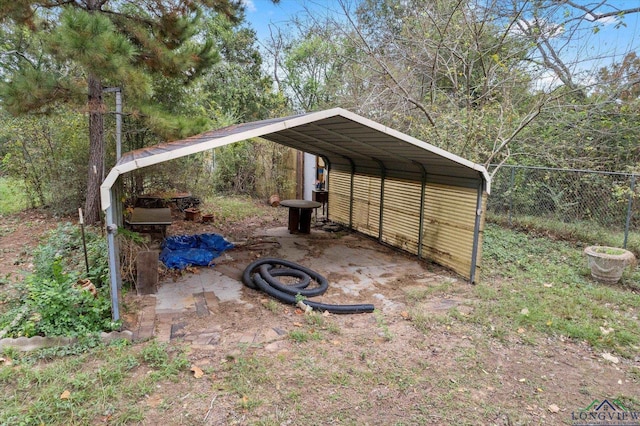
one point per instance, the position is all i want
(237, 85)
(482, 79)
(447, 72)
(79, 47)
(232, 90)
(308, 64)
(45, 154)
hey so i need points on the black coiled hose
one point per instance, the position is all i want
(261, 275)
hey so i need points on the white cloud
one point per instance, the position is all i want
(607, 20)
(546, 28)
(249, 5)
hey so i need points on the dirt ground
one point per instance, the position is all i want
(411, 362)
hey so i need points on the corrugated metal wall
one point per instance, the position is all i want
(401, 214)
(366, 204)
(339, 188)
(448, 222)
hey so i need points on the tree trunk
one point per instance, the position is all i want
(96, 150)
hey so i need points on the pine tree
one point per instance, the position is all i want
(67, 51)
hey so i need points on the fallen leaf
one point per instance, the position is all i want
(65, 395)
(197, 371)
(610, 357)
(404, 314)
(297, 324)
(521, 330)
(554, 408)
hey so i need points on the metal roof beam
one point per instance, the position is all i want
(362, 143)
(329, 146)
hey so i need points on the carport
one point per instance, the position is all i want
(402, 191)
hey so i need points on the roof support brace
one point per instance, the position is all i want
(353, 174)
(383, 175)
(476, 234)
(327, 164)
(423, 192)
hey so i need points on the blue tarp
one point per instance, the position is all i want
(180, 251)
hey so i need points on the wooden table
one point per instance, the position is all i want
(300, 215)
(151, 220)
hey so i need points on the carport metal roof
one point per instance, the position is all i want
(343, 138)
(340, 136)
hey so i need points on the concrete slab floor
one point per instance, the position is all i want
(180, 296)
(351, 263)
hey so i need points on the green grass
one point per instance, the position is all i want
(587, 233)
(532, 286)
(532, 289)
(100, 380)
(12, 196)
(539, 284)
(230, 208)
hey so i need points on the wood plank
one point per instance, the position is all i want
(147, 266)
(144, 216)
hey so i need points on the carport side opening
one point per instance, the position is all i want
(441, 177)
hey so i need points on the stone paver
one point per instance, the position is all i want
(147, 320)
(356, 266)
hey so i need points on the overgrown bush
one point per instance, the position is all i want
(52, 302)
(49, 155)
(255, 168)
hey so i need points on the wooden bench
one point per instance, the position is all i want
(150, 220)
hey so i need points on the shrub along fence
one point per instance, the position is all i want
(599, 201)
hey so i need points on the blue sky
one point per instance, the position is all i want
(261, 13)
(597, 48)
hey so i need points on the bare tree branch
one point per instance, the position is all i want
(591, 10)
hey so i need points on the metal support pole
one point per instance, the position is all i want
(353, 173)
(84, 241)
(511, 185)
(383, 176)
(114, 262)
(629, 210)
(118, 124)
(327, 187)
(423, 199)
(476, 234)
(118, 92)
